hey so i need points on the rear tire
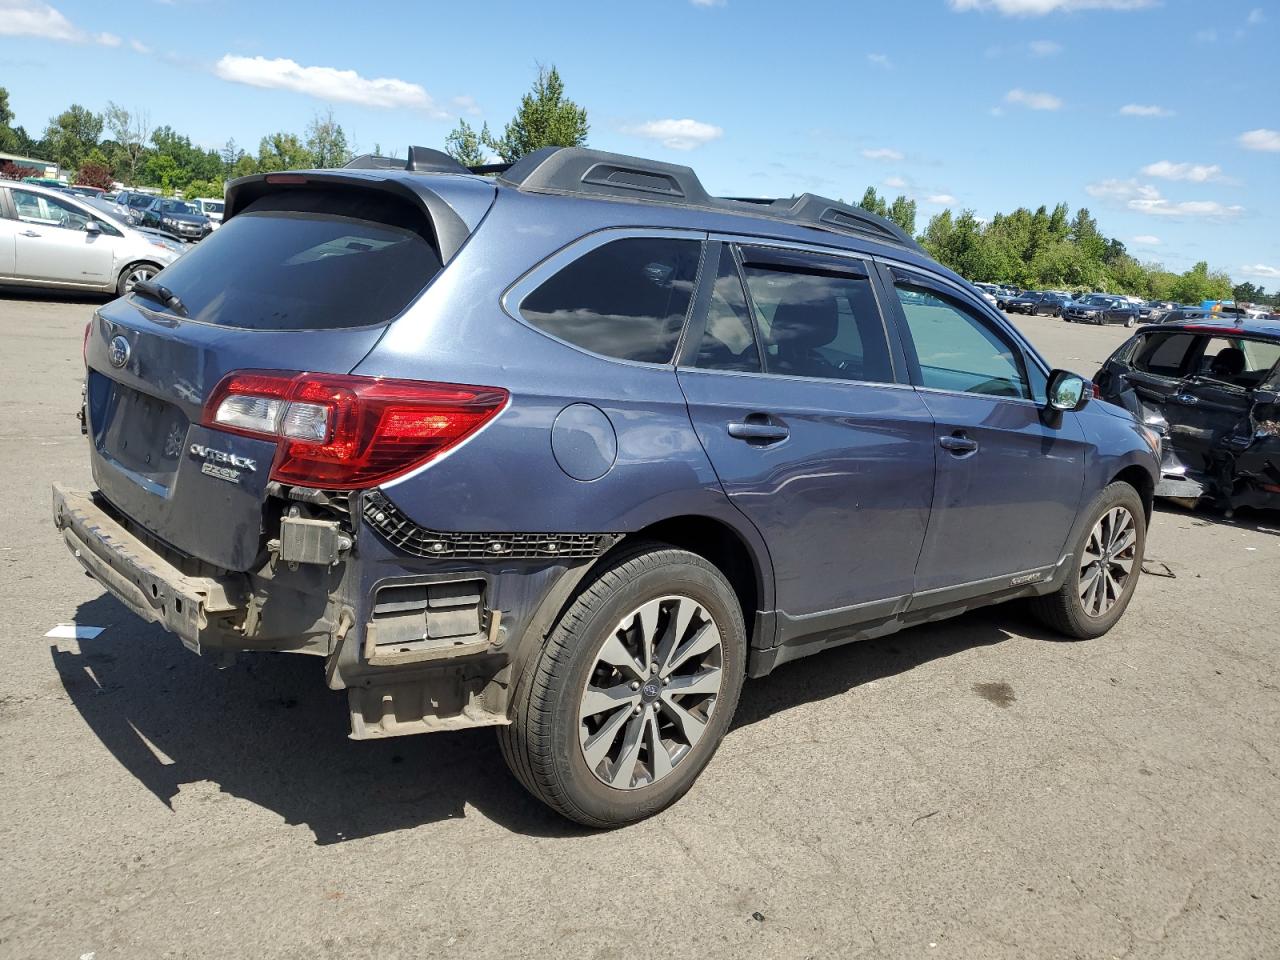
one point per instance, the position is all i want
(604, 739)
(1105, 566)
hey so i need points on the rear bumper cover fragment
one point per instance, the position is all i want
(401, 532)
(202, 611)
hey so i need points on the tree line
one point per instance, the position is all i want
(1040, 249)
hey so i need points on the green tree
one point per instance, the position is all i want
(130, 132)
(71, 135)
(1248, 293)
(204, 188)
(161, 170)
(282, 151)
(937, 235)
(466, 145)
(903, 212)
(545, 118)
(8, 138)
(874, 203)
(327, 141)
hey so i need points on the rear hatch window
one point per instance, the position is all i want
(309, 260)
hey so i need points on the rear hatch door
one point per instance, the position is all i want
(304, 278)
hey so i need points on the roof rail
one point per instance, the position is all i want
(577, 171)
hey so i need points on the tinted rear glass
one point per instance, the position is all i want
(284, 269)
(626, 299)
(1164, 353)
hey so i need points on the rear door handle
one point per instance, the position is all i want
(28, 233)
(760, 432)
(958, 444)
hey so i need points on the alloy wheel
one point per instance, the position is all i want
(1107, 564)
(651, 692)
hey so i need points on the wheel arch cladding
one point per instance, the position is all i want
(720, 545)
(1142, 481)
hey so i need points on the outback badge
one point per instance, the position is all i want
(222, 465)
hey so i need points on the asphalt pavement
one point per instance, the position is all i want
(977, 788)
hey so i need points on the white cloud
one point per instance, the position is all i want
(139, 46)
(883, 153)
(1122, 190)
(708, 3)
(1186, 208)
(683, 134)
(1146, 240)
(466, 104)
(895, 183)
(1262, 139)
(1144, 110)
(1033, 101)
(1038, 8)
(880, 60)
(325, 83)
(1194, 172)
(29, 18)
(941, 199)
(1146, 199)
(1261, 270)
(1256, 16)
(1044, 48)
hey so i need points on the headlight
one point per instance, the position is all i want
(170, 222)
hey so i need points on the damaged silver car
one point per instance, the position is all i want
(1211, 388)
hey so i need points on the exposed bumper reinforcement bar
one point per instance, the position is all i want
(202, 611)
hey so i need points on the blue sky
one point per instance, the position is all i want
(1162, 116)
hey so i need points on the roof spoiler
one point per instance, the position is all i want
(421, 160)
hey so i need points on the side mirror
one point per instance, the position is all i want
(91, 227)
(1068, 391)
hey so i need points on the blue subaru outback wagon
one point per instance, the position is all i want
(573, 451)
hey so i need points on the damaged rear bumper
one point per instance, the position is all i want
(203, 611)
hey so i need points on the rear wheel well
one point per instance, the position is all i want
(718, 544)
(1141, 481)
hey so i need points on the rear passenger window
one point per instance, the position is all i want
(1243, 363)
(728, 342)
(1164, 354)
(819, 325)
(626, 299)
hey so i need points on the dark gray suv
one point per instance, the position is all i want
(574, 451)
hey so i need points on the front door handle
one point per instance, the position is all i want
(759, 432)
(958, 444)
(28, 233)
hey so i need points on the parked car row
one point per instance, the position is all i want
(178, 218)
(53, 239)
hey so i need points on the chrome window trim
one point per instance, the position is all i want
(705, 371)
(514, 296)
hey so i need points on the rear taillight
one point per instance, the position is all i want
(346, 432)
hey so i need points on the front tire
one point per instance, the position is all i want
(1106, 565)
(132, 274)
(627, 702)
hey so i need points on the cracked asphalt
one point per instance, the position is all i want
(975, 788)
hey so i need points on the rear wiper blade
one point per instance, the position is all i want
(160, 294)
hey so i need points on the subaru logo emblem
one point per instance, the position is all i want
(118, 351)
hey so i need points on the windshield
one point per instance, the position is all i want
(105, 210)
(272, 269)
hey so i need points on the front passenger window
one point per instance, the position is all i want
(956, 350)
(819, 325)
